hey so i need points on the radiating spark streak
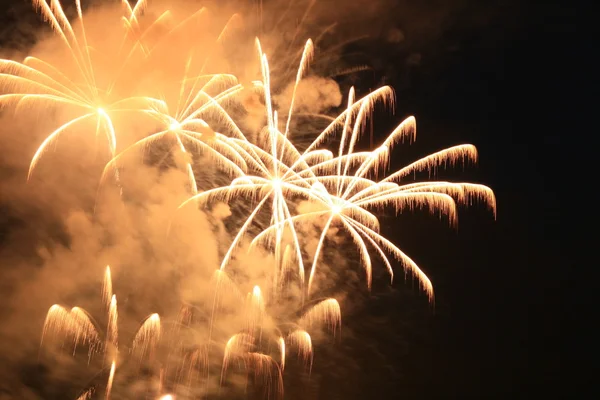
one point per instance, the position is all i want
(107, 292)
(62, 18)
(241, 232)
(378, 249)
(363, 252)
(84, 35)
(384, 94)
(255, 309)
(313, 268)
(281, 342)
(409, 264)
(51, 16)
(305, 60)
(209, 54)
(112, 330)
(138, 8)
(452, 155)
(437, 201)
(180, 25)
(197, 359)
(111, 377)
(8, 81)
(36, 77)
(53, 136)
(131, 24)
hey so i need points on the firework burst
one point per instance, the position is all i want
(344, 188)
(79, 90)
(264, 343)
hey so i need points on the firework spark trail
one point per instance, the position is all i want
(111, 377)
(112, 330)
(37, 82)
(107, 292)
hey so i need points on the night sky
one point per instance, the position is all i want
(506, 85)
(500, 75)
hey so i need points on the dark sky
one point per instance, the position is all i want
(502, 75)
(502, 287)
(507, 85)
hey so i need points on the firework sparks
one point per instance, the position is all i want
(344, 187)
